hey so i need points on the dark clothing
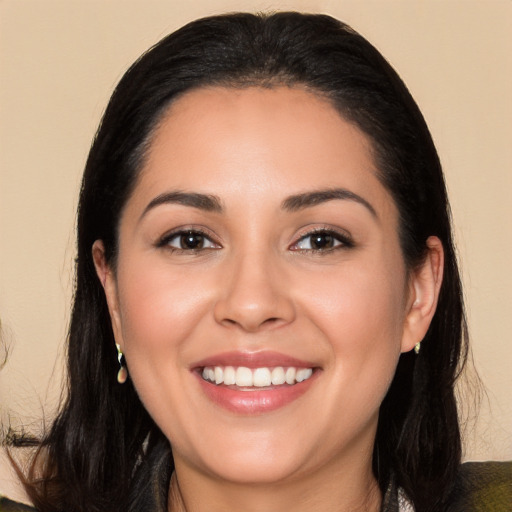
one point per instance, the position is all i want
(483, 487)
(7, 505)
(480, 487)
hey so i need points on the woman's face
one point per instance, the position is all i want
(260, 296)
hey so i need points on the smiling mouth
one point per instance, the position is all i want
(248, 379)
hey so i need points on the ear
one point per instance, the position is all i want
(108, 281)
(424, 286)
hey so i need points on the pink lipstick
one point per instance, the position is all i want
(254, 383)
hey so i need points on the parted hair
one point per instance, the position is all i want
(101, 451)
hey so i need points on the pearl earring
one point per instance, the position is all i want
(122, 374)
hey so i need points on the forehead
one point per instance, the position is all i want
(255, 143)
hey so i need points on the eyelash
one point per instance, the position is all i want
(341, 241)
(165, 241)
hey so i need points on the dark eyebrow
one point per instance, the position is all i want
(207, 202)
(309, 199)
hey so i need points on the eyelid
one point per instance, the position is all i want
(340, 235)
(163, 241)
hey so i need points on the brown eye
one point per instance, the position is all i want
(188, 241)
(322, 241)
(192, 240)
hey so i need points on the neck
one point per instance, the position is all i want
(351, 490)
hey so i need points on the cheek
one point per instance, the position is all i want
(160, 312)
(361, 316)
(159, 307)
(357, 309)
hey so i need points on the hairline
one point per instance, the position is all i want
(257, 81)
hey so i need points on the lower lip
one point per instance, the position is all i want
(258, 401)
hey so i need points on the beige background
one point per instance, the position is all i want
(59, 62)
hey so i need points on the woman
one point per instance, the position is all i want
(268, 312)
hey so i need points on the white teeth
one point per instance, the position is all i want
(243, 376)
(229, 376)
(302, 374)
(289, 376)
(257, 377)
(219, 375)
(278, 377)
(262, 377)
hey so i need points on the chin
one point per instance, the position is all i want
(255, 470)
(248, 458)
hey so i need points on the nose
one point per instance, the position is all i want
(255, 295)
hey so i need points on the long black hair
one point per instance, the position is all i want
(103, 446)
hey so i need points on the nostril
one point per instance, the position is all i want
(269, 322)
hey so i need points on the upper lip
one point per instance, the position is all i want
(260, 359)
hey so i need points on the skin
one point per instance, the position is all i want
(256, 285)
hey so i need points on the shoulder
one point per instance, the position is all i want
(7, 505)
(483, 486)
